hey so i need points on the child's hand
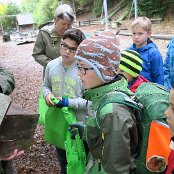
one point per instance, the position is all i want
(48, 99)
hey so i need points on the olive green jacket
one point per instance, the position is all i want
(7, 82)
(47, 45)
(111, 131)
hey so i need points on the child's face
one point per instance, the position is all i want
(170, 112)
(68, 49)
(128, 76)
(88, 76)
(140, 36)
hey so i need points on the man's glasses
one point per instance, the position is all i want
(82, 69)
(66, 47)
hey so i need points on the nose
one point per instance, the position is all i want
(79, 73)
(67, 26)
(68, 51)
(136, 36)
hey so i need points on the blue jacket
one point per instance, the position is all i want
(169, 66)
(152, 68)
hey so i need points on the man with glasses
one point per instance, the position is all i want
(61, 79)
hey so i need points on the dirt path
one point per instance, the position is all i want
(41, 158)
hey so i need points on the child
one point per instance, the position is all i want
(131, 66)
(61, 80)
(169, 66)
(152, 59)
(111, 131)
(170, 119)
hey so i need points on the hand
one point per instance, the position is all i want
(75, 129)
(12, 155)
(48, 99)
(63, 102)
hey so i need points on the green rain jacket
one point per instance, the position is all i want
(111, 131)
(7, 84)
(47, 45)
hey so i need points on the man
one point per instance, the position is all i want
(7, 85)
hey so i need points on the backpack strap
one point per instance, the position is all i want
(121, 98)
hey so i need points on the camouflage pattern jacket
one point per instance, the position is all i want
(7, 82)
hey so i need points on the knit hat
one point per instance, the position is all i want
(66, 10)
(102, 53)
(131, 62)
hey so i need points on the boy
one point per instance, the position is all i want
(46, 47)
(169, 66)
(110, 131)
(61, 80)
(152, 68)
(131, 66)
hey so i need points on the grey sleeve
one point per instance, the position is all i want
(46, 88)
(39, 51)
(7, 82)
(79, 103)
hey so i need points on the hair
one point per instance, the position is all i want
(74, 34)
(64, 11)
(142, 22)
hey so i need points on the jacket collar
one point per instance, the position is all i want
(96, 94)
(147, 46)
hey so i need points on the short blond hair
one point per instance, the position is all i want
(143, 22)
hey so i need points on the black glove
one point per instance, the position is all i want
(75, 129)
(1, 90)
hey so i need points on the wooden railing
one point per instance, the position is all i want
(86, 23)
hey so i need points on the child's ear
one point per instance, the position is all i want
(149, 33)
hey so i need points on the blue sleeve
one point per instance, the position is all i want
(167, 64)
(157, 67)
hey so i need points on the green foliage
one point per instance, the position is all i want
(8, 21)
(153, 8)
(97, 7)
(44, 9)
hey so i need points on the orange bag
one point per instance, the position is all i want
(158, 147)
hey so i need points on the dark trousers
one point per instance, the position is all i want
(61, 155)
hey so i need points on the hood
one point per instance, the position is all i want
(149, 45)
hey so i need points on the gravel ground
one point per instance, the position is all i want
(40, 159)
